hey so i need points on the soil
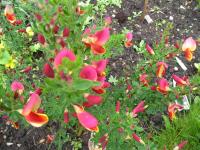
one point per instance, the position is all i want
(185, 17)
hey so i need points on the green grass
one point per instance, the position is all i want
(184, 128)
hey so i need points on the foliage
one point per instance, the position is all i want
(181, 129)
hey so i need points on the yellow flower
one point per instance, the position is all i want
(11, 64)
(29, 31)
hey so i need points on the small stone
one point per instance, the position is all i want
(171, 18)
(4, 137)
(9, 144)
(175, 68)
(19, 145)
(42, 141)
(113, 15)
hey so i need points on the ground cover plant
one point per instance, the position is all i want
(60, 89)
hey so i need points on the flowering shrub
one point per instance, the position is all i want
(67, 82)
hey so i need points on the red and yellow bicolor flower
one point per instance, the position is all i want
(163, 86)
(189, 46)
(96, 41)
(172, 108)
(139, 108)
(9, 13)
(128, 43)
(87, 120)
(30, 111)
(161, 69)
(180, 81)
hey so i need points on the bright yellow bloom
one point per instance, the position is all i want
(29, 31)
(11, 64)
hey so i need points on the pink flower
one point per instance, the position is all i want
(181, 145)
(87, 120)
(30, 111)
(97, 40)
(163, 86)
(17, 87)
(92, 100)
(189, 44)
(48, 71)
(139, 108)
(100, 66)
(137, 138)
(64, 53)
(172, 108)
(180, 81)
(89, 73)
(149, 49)
(128, 43)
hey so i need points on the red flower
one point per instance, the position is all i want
(66, 116)
(143, 79)
(180, 81)
(172, 108)
(87, 120)
(128, 43)
(48, 71)
(41, 39)
(163, 86)
(27, 69)
(104, 141)
(9, 13)
(149, 49)
(181, 145)
(161, 69)
(92, 100)
(137, 138)
(97, 40)
(66, 32)
(30, 111)
(117, 109)
(139, 108)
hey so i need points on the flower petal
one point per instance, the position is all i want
(37, 119)
(65, 53)
(97, 49)
(89, 73)
(17, 87)
(92, 100)
(102, 36)
(189, 44)
(32, 105)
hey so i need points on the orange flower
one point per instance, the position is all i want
(161, 69)
(172, 108)
(97, 40)
(9, 13)
(189, 46)
(30, 111)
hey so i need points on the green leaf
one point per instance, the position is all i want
(167, 122)
(81, 84)
(4, 58)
